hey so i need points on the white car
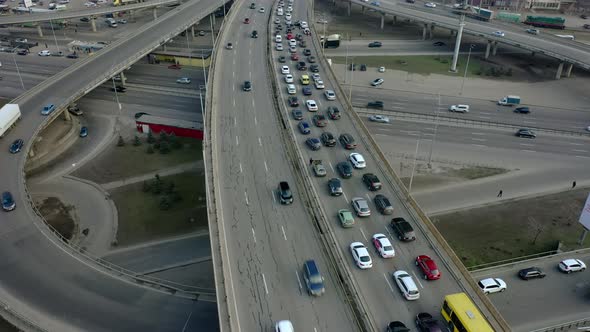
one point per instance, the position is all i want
(406, 285)
(303, 25)
(288, 17)
(492, 285)
(184, 80)
(360, 254)
(285, 70)
(315, 76)
(293, 42)
(499, 33)
(90, 4)
(533, 31)
(278, 39)
(377, 82)
(319, 84)
(290, 9)
(357, 160)
(330, 95)
(293, 49)
(277, 21)
(588, 128)
(284, 326)
(571, 265)
(379, 118)
(261, 10)
(459, 108)
(279, 47)
(430, 5)
(288, 78)
(383, 246)
(311, 105)
(44, 53)
(291, 89)
(381, 69)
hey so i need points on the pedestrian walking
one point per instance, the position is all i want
(500, 194)
(573, 184)
(310, 161)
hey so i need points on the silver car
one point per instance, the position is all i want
(360, 206)
(379, 118)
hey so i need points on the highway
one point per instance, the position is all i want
(48, 285)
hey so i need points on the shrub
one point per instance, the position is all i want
(121, 141)
(165, 203)
(150, 149)
(150, 138)
(164, 147)
(136, 141)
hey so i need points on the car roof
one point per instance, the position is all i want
(312, 266)
(489, 282)
(571, 261)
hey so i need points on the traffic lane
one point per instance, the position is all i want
(564, 297)
(486, 137)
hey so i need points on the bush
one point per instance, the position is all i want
(150, 149)
(509, 72)
(164, 147)
(121, 141)
(150, 138)
(146, 187)
(163, 137)
(136, 141)
(165, 203)
(157, 145)
(174, 141)
(169, 188)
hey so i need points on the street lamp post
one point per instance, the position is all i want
(351, 79)
(54, 38)
(17, 70)
(466, 66)
(435, 131)
(414, 166)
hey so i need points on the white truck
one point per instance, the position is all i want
(9, 114)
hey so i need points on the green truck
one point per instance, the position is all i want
(508, 17)
(546, 22)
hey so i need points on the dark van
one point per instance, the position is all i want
(285, 195)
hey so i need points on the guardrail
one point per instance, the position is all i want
(580, 325)
(436, 239)
(511, 260)
(465, 122)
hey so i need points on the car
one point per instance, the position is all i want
(522, 110)
(335, 186)
(499, 33)
(531, 273)
(320, 120)
(313, 278)
(363, 67)
(122, 21)
(285, 70)
(252, 5)
(301, 66)
(74, 109)
(377, 82)
(376, 3)
(311, 105)
(118, 88)
(361, 256)
(303, 25)
(307, 52)
(311, 59)
(8, 203)
(291, 37)
(261, 10)
(439, 43)
(357, 160)
(314, 68)
(403, 229)
(139, 114)
(294, 57)
(314, 144)
(297, 114)
(304, 127)
(347, 141)
(375, 44)
(406, 285)
(279, 47)
(459, 108)
(533, 31)
(16, 146)
(360, 206)
(175, 66)
(381, 69)
(282, 59)
(586, 26)
(398, 326)
(328, 139)
(383, 246)
(316, 77)
(375, 104)
(426, 323)
(21, 40)
(48, 109)
(306, 91)
(288, 78)
(383, 205)
(292, 43)
(247, 86)
(288, 17)
(379, 118)
(44, 53)
(372, 181)
(183, 80)
(344, 169)
(83, 131)
(571, 265)
(201, 33)
(334, 113)
(284, 192)
(428, 267)
(330, 94)
(293, 101)
(346, 218)
(246, 21)
(22, 52)
(72, 56)
(527, 133)
(352, 67)
(492, 285)
(84, 19)
(319, 84)
(254, 34)
(302, 43)
(291, 89)
(583, 16)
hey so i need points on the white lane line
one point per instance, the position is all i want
(284, 234)
(255, 120)
(526, 121)
(388, 232)
(479, 145)
(315, 330)
(241, 168)
(246, 195)
(265, 166)
(417, 279)
(411, 133)
(234, 102)
(487, 113)
(298, 280)
(526, 144)
(479, 139)
(345, 198)
(254, 234)
(428, 128)
(388, 283)
(264, 281)
(478, 133)
(253, 107)
(368, 197)
(528, 150)
(366, 239)
(234, 88)
(331, 167)
(576, 150)
(427, 134)
(274, 197)
(259, 141)
(484, 117)
(237, 142)
(576, 143)
(235, 122)
(582, 156)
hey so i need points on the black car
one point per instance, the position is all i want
(307, 52)
(335, 186)
(527, 133)
(119, 88)
(139, 114)
(282, 59)
(372, 181)
(72, 56)
(84, 19)
(344, 169)
(375, 44)
(334, 113)
(522, 110)
(313, 143)
(8, 203)
(293, 102)
(403, 229)
(16, 146)
(301, 65)
(254, 34)
(284, 191)
(297, 114)
(347, 141)
(397, 326)
(531, 273)
(247, 86)
(375, 104)
(313, 278)
(426, 323)
(314, 68)
(363, 67)
(439, 43)
(311, 59)
(328, 139)
(306, 91)
(302, 43)
(383, 204)
(22, 52)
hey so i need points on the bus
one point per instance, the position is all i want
(462, 315)
(333, 41)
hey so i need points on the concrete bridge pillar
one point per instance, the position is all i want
(394, 19)
(559, 69)
(155, 13)
(123, 78)
(495, 48)
(164, 48)
(39, 31)
(430, 31)
(212, 18)
(363, 9)
(568, 71)
(488, 47)
(533, 53)
(350, 7)
(382, 21)
(93, 24)
(31, 152)
(67, 116)
(424, 29)
(193, 31)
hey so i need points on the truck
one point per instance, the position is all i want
(546, 22)
(508, 17)
(509, 101)
(9, 114)
(482, 14)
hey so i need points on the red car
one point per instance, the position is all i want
(174, 66)
(289, 36)
(294, 57)
(246, 21)
(428, 267)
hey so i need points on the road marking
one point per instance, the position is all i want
(345, 198)
(528, 150)
(582, 157)
(254, 234)
(259, 141)
(265, 166)
(477, 133)
(298, 280)
(485, 113)
(388, 232)
(479, 145)
(576, 144)
(479, 139)
(255, 120)
(246, 195)
(240, 167)
(576, 150)
(237, 142)
(366, 239)
(412, 133)
(274, 197)
(284, 234)
(234, 102)
(235, 122)
(526, 144)
(315, 330)
(417, 279)
(428, 128)
(253, 104)
(264, 281)
(187, 320)
(368, 197)
(484, 117)
(525, 121)
(331, 167)
(427, 134)
(388, 283)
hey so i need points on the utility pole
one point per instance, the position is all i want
(458, 44)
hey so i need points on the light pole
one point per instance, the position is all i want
(201, 87)
(188, 46)
(54, 38)
(435, 131)
(117, 126)
(17, 70)
(324, 39)
(458, 44)
(351, 79)
(346, 64)
(471, 46)
(414, 166)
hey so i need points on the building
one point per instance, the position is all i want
(182, 128)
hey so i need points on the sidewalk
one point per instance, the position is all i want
(198, 165)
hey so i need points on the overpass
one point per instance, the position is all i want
(47, 284)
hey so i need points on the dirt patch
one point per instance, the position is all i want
(58, 215)
(516, 228)
(442, 175)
